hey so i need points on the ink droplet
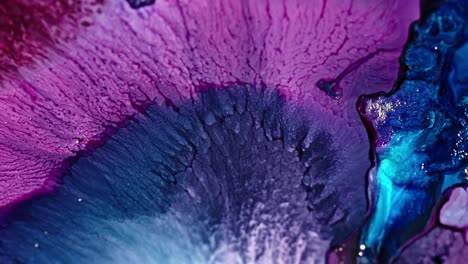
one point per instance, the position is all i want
(140, 3)
(331, 87)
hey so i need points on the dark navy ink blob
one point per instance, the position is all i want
(235, 176)
(458, 76)
(422, 133)
(332, 85)
(140, 3)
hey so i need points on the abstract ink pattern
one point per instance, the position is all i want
(238, 174)
(421, 143)
(233, 131)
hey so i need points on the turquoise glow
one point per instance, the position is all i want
(427, 128)
(402, 182)
(400, 167)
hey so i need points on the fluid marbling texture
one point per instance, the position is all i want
(73, 82)
(421, 135)
(253, 151)
(238, 176)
